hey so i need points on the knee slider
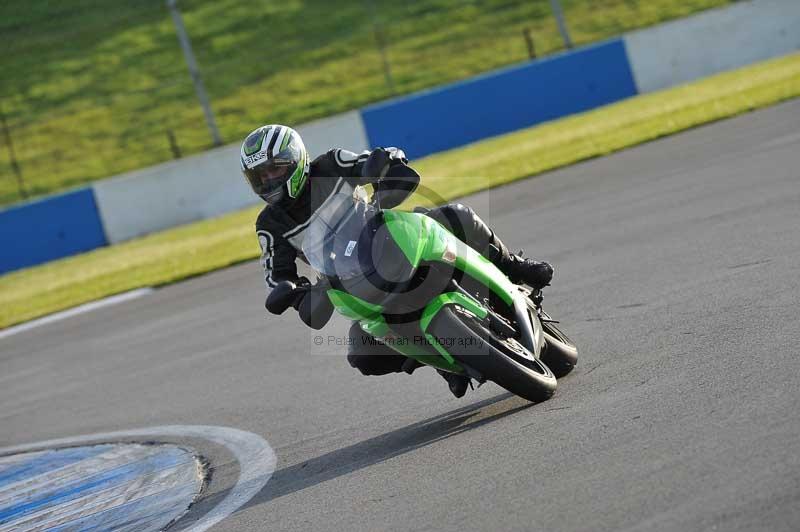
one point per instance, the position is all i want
(357, 361)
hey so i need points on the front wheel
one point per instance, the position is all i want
(559, 353)
(502, 360)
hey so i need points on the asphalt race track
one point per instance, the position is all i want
(677, 274)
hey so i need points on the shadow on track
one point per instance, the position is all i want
(334, 464)
(386, 446)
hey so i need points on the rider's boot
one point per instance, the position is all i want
(458, 384)
(536, 274)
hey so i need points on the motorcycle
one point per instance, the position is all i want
(415, 287)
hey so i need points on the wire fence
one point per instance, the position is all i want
(92, 91)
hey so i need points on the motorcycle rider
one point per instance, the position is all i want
(276, 165)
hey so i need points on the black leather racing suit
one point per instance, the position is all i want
(280, 228)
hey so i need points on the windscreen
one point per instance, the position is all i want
(331, 240)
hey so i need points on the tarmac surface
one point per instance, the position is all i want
(678, 276)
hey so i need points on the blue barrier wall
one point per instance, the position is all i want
(503, 101)
(48, 229)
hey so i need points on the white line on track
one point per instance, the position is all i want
(256, 459)
(87, 307)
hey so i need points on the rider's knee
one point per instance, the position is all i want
(361, 362)
(375, 363)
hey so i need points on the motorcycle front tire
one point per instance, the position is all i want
(470, 341)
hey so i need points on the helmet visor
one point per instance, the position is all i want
(267, 178)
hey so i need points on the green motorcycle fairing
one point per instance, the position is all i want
(433, 308)
(372, 322)
(423, 239)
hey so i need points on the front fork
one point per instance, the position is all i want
(535, 295)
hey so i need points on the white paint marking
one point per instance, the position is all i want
(256, 459)
(87, 307)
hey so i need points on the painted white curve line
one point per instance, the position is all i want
(256, 459)
(74, 311)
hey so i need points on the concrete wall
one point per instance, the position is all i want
(48, 229)
(345, 130)
(201, 186)
(174, 193)
(713, 41)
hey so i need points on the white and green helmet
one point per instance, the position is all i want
(275, 162)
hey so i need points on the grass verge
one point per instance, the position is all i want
(201, 247)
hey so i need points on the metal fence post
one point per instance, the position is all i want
(562, 25)
(387, 67)
(173, 144)
(529, 41)
(12, 156)
(186, 45)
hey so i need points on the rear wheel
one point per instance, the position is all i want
(502, 360)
